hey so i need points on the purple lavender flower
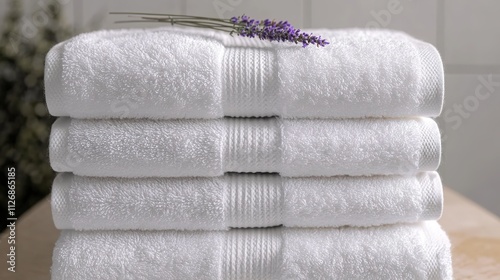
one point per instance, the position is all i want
(270, 30)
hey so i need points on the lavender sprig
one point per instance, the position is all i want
(244, 26)
(274, 31)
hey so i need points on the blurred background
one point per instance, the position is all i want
(465, 32)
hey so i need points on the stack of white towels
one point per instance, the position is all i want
(191, 154)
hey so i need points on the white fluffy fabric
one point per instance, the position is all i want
(407, 251)
(243, 200)
(180, 148)
(190, 73)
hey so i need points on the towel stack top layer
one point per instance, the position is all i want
(181, 73)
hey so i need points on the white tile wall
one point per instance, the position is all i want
(465, 31)
(415, 17)
(290, 10)
(471, 32)
(471, 144)
(95, 13)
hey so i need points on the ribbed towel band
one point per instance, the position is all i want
(252, 145)
(252, 254)
(254, 200)
(249, 82)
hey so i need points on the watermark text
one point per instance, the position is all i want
(11, 219)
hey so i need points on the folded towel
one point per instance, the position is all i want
(181, 73)
(243, 200)
(180, 148)
(411, 251)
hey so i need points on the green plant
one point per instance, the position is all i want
(25, 123)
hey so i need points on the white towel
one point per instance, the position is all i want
(243, 200)
(180, 148)
(411, 251)
(181, 73)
